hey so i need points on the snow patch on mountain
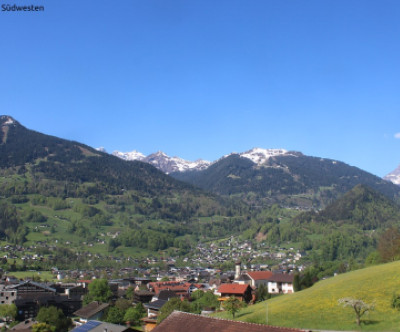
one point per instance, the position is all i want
(169, 164)
(393, 176)
(259, 156)
(164, 162)
(133, 155)
(174, 164)
(7, 120)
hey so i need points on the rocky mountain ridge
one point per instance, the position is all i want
(169, 164)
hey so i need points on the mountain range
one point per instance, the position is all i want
(170, 165)
(81, 195)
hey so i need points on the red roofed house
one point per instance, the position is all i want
(242, 292)
(258, 278)
(183, 289)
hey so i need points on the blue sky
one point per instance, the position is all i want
(200, 78)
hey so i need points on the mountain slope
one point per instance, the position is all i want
(69, 161)
(61, 192)
(317, 307)
(283, 178)
(361, 206)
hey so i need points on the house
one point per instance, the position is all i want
(280, 283)
(153, 307)
(241, 292)
(179, 288)
(29, 296)
(142, 296)
(258, 278)
(184, 322)
(92, 311)
(96, 326)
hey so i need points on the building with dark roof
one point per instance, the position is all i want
(93, 311)
(280, 283)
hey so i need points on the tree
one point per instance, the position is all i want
(99, 290)
(360, 307)
(232, 305)
(123, 304)
(115, 315)
(389, 245)
(134, 314)
(262, 293)
(173, 304)
(296, 282)
(8, 312)
(54, 317)
(43, 327)
(130, 293)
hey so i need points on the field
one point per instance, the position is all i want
(43, 275)
(318, 308)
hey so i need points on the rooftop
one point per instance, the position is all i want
(184, 322)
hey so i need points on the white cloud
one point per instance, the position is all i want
(397, 135)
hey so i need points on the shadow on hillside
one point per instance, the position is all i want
(369, 322)
(241, 314)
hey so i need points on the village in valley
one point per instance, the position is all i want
(228, 269)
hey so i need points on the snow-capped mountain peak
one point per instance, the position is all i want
(6, 120)
(169, 164)
(260, 156)
(133, 155)
(174, 164)
(394, 176)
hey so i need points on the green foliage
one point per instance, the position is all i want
(35, 216)
(134, 314)
(123, 304)
(130, 293)
(360, 307)
(203, 300)
(99, 290)
(8, 312)
(173, 304)
(262, 293)
(9, 219)
(389, 245)
(43, 327)
(233, 305)
(395, 303)
(54, 317)
(115, 315)
(361, 206)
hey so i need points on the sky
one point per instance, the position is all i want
(204, 78)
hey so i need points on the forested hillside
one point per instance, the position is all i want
(53, 189)
(292, 180)
(68, 198)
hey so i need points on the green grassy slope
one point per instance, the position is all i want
(317, 307)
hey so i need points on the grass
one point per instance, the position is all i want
(317, 307)
(44, 275)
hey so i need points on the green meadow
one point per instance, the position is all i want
(318, 308)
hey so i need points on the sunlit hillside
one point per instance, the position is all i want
(318, 308)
